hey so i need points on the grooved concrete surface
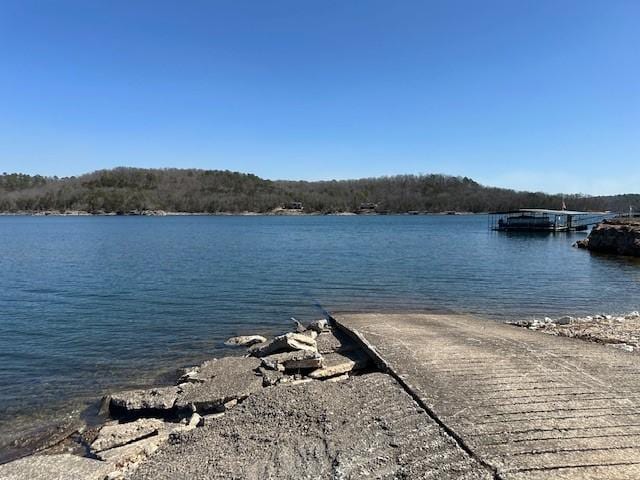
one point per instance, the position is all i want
(532, 406)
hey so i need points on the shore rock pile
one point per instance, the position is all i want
(620, 331)
(620, 236)
(143, 420)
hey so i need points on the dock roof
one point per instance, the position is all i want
(551, 212)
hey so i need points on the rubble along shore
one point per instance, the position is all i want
(307, 388)
(306, 404)
(618, 331)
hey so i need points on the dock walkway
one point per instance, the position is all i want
(527, 405)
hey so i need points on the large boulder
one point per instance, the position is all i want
(620, 236)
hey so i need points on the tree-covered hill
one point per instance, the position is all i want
(211, 191)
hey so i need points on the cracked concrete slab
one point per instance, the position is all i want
(55, 467)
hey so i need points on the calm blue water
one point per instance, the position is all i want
(91, 304)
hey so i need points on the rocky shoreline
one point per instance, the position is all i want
(141, 421)
(618, 236)
(162, 213)
(618, 331)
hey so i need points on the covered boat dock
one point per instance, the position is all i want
(544, 220)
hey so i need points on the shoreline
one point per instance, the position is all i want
(617, 331)
(76, 438)
(297, 363)
(227, 214)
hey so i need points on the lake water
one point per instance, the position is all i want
(91, 304)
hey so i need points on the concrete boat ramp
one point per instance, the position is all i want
(522, 404)
(457, 398)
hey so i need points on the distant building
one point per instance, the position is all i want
(293, 206)
(368, 206)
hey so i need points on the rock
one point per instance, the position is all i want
(111, 436)
(340, 363)
(299, 327)
(584, 244)
(195, 421)
(187, 425)
(339, 378)
(319, 325)
(55, 467)
(620, 236)
(566, 320)
(298, 360)
(230, 404)
(285, 343)
(270, 377)
(190, 375)
(222, 380)
(150, 402)
(131, 453)
(245, 340)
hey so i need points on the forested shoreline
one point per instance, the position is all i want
(124, 190)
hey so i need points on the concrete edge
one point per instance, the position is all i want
(384, 366)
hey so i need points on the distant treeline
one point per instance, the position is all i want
(214, 191)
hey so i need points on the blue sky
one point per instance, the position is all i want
(537, 95)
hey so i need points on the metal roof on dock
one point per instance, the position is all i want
(550, 212)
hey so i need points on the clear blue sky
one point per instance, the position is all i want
(539, 95)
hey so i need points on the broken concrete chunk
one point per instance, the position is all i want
(211, 418)
(173, 429)
(339, 378)
(270, 377)
(225, 366)
(311, 333)
(223, 380)
(153, 401)
(189, 375)
(130, 453)
(298, 360)
(55, 467)
(111, 436)
(245, 340)
(285, 343)
(299, 326)
(340, 363)
(319, 325)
